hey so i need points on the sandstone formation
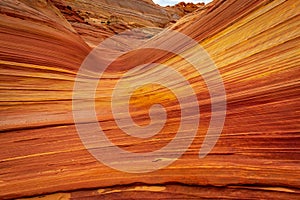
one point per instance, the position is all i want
(181, 9)
(254, 44)
(96, 20)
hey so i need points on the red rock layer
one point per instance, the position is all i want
(255, 45)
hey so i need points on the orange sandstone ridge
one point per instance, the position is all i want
(254, 44)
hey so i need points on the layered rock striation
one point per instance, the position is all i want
(255, 46)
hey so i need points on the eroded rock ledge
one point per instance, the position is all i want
(98, 19)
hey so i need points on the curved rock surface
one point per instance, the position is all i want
(254, 44)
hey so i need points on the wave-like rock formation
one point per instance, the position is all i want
(253, 43)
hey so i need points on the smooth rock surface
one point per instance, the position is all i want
(254, 44)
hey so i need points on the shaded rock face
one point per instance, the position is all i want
(254, 44)
(96, 20)
(37, 32)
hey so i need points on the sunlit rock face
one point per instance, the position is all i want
(183, 8)
(255, 47)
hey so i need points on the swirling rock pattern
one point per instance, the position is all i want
(255, 45)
